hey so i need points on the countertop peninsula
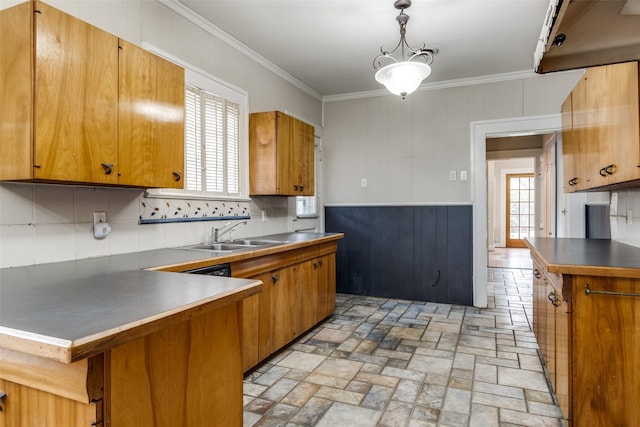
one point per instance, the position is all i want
(67, 311)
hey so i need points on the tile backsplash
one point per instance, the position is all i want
(625, 217)
(42, 223)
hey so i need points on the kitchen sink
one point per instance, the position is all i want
(219, 247)
(254, 242)
(233, 246)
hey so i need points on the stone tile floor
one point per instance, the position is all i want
(388, 362)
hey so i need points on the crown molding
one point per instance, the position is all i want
(492, 78)
(221, 35)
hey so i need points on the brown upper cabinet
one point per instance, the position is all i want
(281, 155)
(151, 114)
(601, 130)
(80, 105)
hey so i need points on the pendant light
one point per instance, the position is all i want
(403, 75)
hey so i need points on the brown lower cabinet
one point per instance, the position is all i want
(299, 291)
(590, 342)
(155, 380)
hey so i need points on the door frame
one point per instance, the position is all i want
(513, 243)
(479, 132)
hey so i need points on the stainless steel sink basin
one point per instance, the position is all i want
(219, 247)
(236, 245)
(253, 242)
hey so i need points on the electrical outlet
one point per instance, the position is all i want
(363, 182)
(463, 175)
(99, 217)
(452, 176)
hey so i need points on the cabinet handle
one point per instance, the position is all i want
(573, 181)
(321, 262)
(275, 277)
(554, 299)
(611, 169)
(108, 168)
(295, 187)
(301, 187)
(537, 273)
(3, 398)
(603, 172)
(315, 265)
(177, 176)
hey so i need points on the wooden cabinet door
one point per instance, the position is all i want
(606, 342)
(76, 99)
(281, 155)
(605, 106)
(16, 95)
(547, 332)
(249, 332)
(307, 284)
(563, 367)
(326, 286)
(287, 181)
(151, 129)
(256, 324)
(619, 118)
(263, 154)
(536, 302)
(588, 156)
(304, 150)
(285, 308)
(570, 149)
(30, 407)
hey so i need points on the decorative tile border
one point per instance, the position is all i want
(158, 211)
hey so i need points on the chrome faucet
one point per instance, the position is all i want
(216, 233)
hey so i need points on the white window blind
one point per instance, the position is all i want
(212, 144)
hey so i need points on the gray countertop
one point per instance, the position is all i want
(68, 310)
(594, 257)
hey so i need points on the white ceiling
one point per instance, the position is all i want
(329, 45)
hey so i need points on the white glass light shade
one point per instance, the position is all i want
(403, 78)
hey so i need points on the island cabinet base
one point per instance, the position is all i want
(588, 331)
(188, 374)
(299, 292)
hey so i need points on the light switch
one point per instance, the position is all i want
(363, 182)
(452, 176)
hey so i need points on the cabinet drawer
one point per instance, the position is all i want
(255, 266)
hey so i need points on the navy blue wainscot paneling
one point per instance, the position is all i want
(411, 252)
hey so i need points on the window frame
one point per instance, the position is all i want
(317, 150)
(209, 83)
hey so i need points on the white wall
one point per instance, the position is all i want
(621, 229)
(497, 171)
(45, 223)
(406, 148)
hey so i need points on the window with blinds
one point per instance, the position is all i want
(212, 144)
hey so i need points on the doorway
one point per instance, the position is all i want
(520, 219)
(480, 131)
